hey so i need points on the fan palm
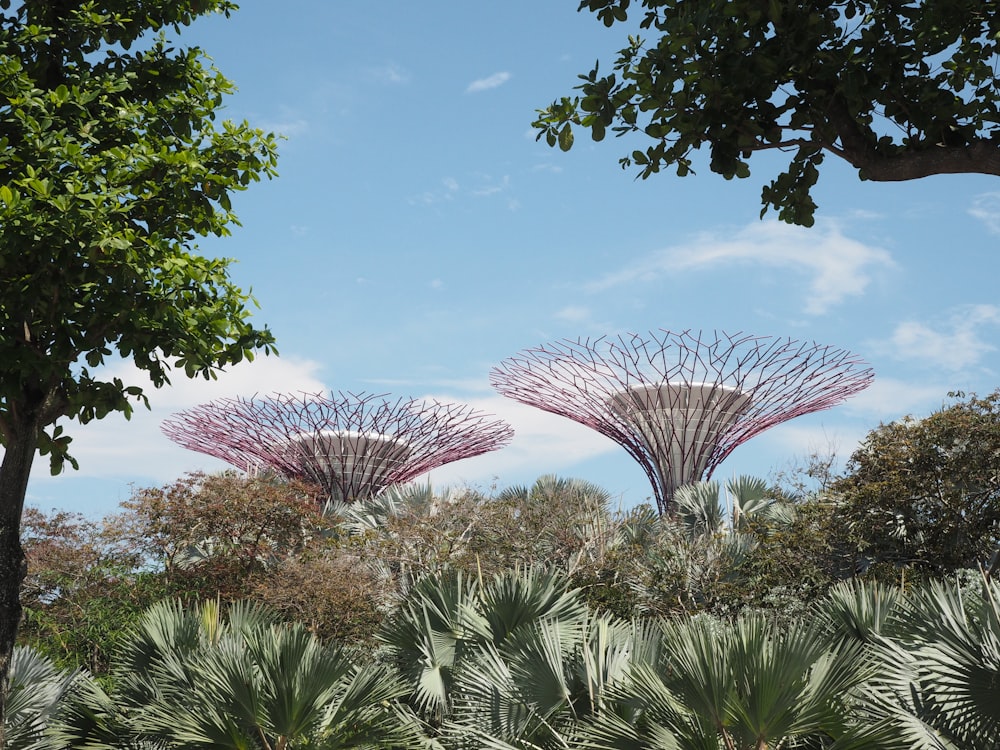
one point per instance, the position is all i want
(37, 694)
(746, 685)
(199, 678)
(447, 622)
(937, 656)
(701, 509)
(534, 689)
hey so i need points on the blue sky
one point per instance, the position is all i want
(418, 234)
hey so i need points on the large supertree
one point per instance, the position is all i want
(353, 445)
(679, 403)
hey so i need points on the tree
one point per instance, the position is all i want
(85, 585)
(924, 494)
(898, 90)
(111, 166)
(235, 526)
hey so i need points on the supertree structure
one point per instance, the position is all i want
(353, 445)
(679, 403)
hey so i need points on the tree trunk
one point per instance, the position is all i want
(14, 471)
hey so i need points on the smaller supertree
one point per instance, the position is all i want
(351, 444)
(679, 403)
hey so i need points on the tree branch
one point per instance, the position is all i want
(981, 156)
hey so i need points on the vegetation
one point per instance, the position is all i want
(898, 90)
(535, 617)
(923, 495)
(519, 660)
(112, 165)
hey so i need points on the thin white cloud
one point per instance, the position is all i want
(490, 186)
(956, 343)
(388, 74)
(887, 399)
(543, 444)
(836, 266)
(573, 313)
(487, 187)
(490, 82)
(986, 208)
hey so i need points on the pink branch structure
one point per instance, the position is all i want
(679, 403)
(352, 445)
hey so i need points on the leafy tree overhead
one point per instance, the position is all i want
(899, 90)
(111, 165)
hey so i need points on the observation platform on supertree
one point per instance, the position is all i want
(353, 445)
(681, 402)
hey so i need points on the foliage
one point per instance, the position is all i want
(749, 548)
(935, 655)
(559, 522)
(332, 592)
(82, 589)
(243, 524)
(519, 661)
(39, 695)
(445, 620)
(238, 679)
(743, 685)
(924, 494)
(111, 165)
(203, 536)
(898, 90)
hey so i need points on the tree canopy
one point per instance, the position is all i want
(924, 493)
(111, 166)
(899, 90)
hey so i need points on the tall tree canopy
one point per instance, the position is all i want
(900, 90)
(924, 494)
(111, 165)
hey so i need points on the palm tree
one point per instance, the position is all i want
(38, 694)
(936, 656)
(195, 678)
(448, 622)
(701, 508)
(536, 689)
(744, 685)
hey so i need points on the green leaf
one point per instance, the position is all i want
(566, 137)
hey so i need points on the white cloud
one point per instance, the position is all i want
(491, 187)
(887, 399)
(543, 444)
(986, 208)
(573, 313)
(389, 74)
(953, 344)
(490, 82)
(114, 447)
(837, 267)
(288, 123)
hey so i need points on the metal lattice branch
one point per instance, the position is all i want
(351, 444)
(679, 403)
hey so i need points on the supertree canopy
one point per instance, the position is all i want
(351, 444)
(679, 403)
